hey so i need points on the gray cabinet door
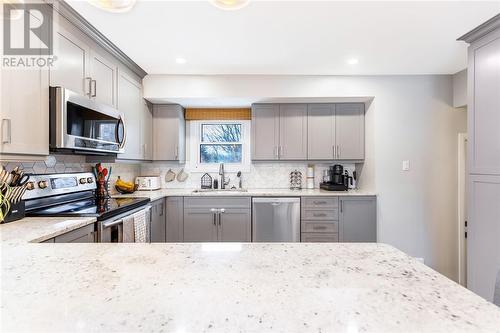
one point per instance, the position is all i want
(350, 131)
(200, 225)
(175, 219)
(293, 132)
(484, 105)
(147, 130)
(483, 234)
(72, 69)
(320, 131)
(168, 133)
(104, 74)
(158, 221)
(265, 131)
(358, 219)
(81, 235)
(130, 103)
(235, 225)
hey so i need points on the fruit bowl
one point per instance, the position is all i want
(124, 191)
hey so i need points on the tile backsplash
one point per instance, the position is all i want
(261, 175)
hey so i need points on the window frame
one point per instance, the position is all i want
(194, 164)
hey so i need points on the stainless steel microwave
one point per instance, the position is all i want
(80, 124)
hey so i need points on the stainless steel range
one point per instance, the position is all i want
(72, 194)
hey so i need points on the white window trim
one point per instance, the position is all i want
(193, 137)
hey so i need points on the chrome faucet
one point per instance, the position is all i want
(222, 174)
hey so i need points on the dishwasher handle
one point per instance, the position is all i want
(276, 200)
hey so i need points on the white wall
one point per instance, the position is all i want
(410, 117)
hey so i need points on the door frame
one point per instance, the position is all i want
(462, 205)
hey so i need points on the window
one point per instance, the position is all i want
(214, 142)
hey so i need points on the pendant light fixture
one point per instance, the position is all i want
(230, 4)
(114, 6)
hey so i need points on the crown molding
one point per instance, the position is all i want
(482, 30)
(64, 9)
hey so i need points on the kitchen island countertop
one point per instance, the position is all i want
(225, 287)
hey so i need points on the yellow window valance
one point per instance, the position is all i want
(219, 114)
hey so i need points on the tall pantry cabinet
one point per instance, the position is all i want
(483, 243)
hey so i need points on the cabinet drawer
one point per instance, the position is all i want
(218, 202)
(320, 202)
(319, 238)
(329, 227)
(320, 215)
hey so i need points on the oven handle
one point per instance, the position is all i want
(109, 224)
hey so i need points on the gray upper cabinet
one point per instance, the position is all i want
(293, 132)
(130, 103)
(484, 105)
(350, 131)
(358, 219)
(73, 54)
(308, 131)
(321, 131)
(158, 221)
(265, 131)
(169, 128)
(103, 83)
(175, 219)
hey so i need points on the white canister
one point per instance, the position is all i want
(310, 171)
(310, 183)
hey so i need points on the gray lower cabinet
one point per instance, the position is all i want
(81, 235)
(217, 219)
(319, 219)
(175, 219)
(483, 234)
(358, 219)
(158, 221)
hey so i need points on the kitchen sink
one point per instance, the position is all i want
(211, 190)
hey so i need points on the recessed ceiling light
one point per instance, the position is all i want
(353, 61)
(180, 60)
(114, 6)
(230, 4)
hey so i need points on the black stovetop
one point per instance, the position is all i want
(101, 209)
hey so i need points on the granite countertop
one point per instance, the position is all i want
(224, 287)
(158, 194)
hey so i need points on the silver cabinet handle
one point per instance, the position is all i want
(341, 206)
(319, 227)
(89, 86)
(215, 218)
(94, 94)
(280, 152)
(333, 148)
(319, 202)
(221, 211)
(276, 151)
(7, 139)
(319, 214)
(338, 150)
(176, 157)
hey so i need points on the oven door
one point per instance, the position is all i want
(79, 123)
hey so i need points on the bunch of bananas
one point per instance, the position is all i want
(124, 186)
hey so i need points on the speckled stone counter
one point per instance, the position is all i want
(229, 287)
(162, 193)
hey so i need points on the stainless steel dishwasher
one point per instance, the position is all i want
(276, 220)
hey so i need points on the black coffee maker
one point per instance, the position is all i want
(337, 179)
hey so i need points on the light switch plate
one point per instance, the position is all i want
(406, 165)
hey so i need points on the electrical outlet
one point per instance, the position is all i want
(406, 165)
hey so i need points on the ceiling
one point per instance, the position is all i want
(294, 37)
